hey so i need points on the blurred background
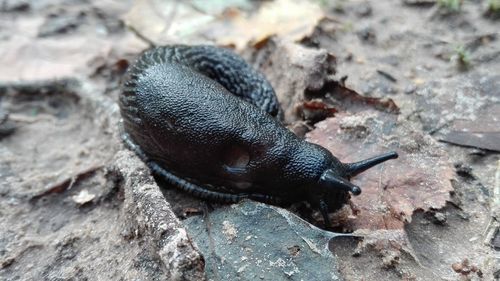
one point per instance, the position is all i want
(357, 77)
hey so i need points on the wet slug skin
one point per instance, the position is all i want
(204, 120)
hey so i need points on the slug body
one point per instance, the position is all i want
(203, 119)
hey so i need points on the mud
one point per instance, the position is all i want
(76, 205)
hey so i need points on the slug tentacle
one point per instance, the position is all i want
(356, 168)
(323, 209)
(329, 179)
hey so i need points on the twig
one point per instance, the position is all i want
(387, 75)
(211, 242)
(141, 36)
(494, 225)
(438, 128)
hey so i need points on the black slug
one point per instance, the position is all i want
(202, 119)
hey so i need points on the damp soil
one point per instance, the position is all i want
(64, 214)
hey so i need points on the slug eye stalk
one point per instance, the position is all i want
(353, 169)
(330, 179)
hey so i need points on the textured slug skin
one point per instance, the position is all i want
(176, 109)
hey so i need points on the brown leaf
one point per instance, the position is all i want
(303, 80)
(291, 20)
(418, 179)
(293, 70)
(316, 110)
(44, 59)
(229, 23)
(49, 58)
(354, 102)
(166, 21)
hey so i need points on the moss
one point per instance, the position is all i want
(450, 5)
(462, 57)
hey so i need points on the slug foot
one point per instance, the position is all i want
(192, 188)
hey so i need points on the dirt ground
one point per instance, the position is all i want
(421, 77)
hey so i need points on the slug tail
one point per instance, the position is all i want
(353, 169)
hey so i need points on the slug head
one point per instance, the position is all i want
(335, 185)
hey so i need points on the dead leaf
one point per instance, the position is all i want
(291, 20)
(481, 140)
(354, 102)
(446, 101)
(316, 110)
(390, 244)
(164, 22)
(418, 179)
(303, 78)
(49, 58)
(292, 70)
(230, 23)
(45, 59)
(68, 183)
(483, 133)
(190, 211)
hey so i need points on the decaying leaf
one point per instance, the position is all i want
(165, 21)
(418, 179)
(282, 247)
(484, 132)
(292, 20)
(304, 81)
(441, 103)
(232, 23)
(41, 59)
(354, 102)
(47, 58)
(316, 110)
(293, 70)
(389, 243)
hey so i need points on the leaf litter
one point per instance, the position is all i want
(353, 127)
(418, 180)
